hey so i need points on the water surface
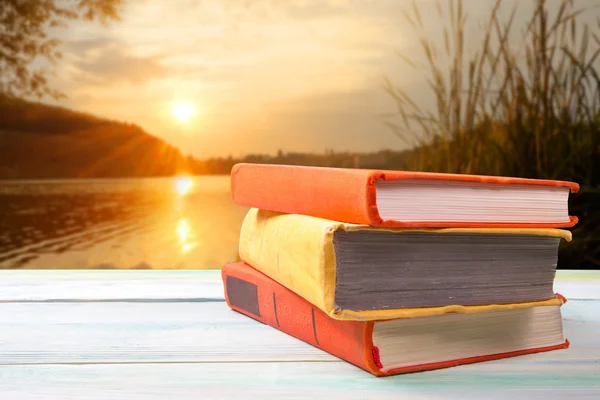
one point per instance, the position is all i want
(156, 223)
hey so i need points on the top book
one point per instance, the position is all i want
(404, 199)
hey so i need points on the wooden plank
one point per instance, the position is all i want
(186, 343)
(100, 285)
(578, 275)
(580, 285)
(95, 332)
(498, 380)
(92, 332)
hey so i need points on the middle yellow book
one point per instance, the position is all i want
(358, 272)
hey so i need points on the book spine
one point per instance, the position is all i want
(331, 193)
(293, 250)
(255, 295)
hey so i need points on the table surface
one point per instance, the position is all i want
(170, 334)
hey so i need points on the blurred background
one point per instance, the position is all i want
(120, 120)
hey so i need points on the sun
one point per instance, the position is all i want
(183, 111)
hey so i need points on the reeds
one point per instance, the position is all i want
(525, 108)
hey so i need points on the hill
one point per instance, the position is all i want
(40, 141)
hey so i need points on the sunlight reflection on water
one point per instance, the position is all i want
(183, 185)
(183, 231)
(185, 222)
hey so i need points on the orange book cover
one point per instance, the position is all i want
(255, 295)
(350, 195)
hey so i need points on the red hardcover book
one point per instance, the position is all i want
(395, 346)
(404, 199)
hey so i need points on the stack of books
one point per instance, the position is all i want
(398, 271)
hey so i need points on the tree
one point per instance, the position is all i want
(24, 40)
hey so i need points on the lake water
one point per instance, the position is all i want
(156, 223)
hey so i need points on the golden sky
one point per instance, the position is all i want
(260, 75)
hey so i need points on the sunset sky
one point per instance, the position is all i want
(252, 76)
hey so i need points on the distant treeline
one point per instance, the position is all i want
(383, 159)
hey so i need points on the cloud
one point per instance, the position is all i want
(327, 44)
(362, 103)
(311, 10)
(105, 61)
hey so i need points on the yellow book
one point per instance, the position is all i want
(358, 272)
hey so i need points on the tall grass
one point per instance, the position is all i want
(527, 108)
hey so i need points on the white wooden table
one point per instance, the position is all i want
(169, 334)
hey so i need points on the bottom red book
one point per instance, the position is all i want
(395, 346)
